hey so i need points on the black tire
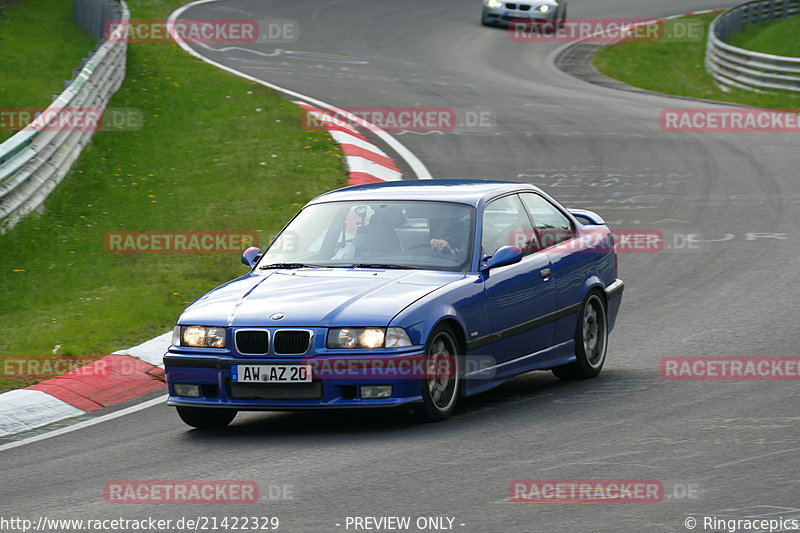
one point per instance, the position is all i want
(591, 340)
(442, 386)
(206, 418)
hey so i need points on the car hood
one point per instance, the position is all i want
(315, 297)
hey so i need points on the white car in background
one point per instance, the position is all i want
(502, 13)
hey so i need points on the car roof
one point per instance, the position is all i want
(447, 190)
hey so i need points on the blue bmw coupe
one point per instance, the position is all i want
(412, 293)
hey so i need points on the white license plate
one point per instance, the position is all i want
(271, 373)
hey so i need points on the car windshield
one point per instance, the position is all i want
(377, 234)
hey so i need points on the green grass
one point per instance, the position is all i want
(778, 38)
(678, 68)
(215, 153)
(40, 33)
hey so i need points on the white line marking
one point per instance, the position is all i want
(756, 457)
(86, 423)
(413, 161)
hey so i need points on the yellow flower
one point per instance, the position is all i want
(18, 270)
(175, 293)
(151, 195)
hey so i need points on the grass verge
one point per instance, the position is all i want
(679, 69)
(777, 38)
(214, 152)
(41, 33)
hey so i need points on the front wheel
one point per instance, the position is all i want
(591, 341)
(441, 384)
(206, 418)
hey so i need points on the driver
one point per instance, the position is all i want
(449, 235)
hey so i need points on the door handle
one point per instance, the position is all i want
(545, 272)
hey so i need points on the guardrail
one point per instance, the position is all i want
(36, 159)
(731, 66)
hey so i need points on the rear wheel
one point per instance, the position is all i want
(206, 418)
(441, 384)
(591, 340)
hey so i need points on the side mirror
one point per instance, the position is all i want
(250, 256)
(507, 255)
(587, 217)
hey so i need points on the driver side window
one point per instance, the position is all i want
(505, 223)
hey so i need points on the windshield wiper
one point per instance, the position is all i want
(381, 265)
(288, 265)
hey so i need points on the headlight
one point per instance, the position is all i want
(494, 4)
(544, 8)
(202, 336)
(354, 338)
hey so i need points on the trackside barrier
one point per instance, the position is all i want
(731, 66)
(36, 159)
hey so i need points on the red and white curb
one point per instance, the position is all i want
(140, 370)
(115, 378)
(366, 163)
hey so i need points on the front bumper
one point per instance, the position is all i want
(336, 386)
(504, 17)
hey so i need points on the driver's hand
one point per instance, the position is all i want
(440, 245)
